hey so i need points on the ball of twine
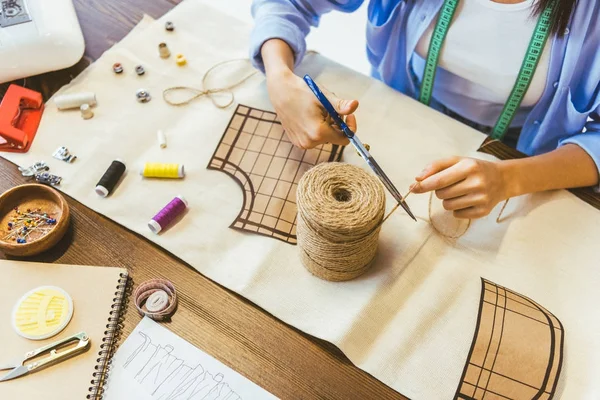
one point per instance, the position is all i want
(340, 211)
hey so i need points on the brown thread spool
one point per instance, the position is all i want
(340, 211)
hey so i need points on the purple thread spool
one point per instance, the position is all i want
(168, 214)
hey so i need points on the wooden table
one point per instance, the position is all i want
(278, 357)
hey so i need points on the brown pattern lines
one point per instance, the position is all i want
(517, 349)
(256, 152)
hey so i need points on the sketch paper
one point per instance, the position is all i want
(156, 364)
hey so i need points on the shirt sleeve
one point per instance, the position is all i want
(589, 140)
(290, 21)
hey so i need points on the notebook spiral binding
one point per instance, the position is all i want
(108, 346)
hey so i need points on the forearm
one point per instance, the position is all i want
(277, 57)
(568, 166)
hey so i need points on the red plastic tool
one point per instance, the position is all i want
(20, 114)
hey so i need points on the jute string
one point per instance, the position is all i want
(190, 94)
(340, 211)
(227, 90)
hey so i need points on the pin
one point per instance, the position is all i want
(23, 224)
(62, 153)
(36, 168)
(117, 68)
(47, 178)
(140, 70)
(169, 26)
(143, 96)
(180, 60)
(163, 50)
(86, 111)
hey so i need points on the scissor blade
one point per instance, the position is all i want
(12, 365)
(15, 373)
(364, 153)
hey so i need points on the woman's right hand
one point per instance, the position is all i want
(304, 119)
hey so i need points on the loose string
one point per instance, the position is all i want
(429, 212)
(197, 93)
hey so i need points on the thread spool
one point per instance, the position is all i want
(180, 60)
(165, 171)
(340, 211)
(111, 177)
(74, 100)
(86, 111)
(162, 139)
(168, 214)
(163, 50)
(156, 299)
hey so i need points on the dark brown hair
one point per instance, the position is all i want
(560, 15)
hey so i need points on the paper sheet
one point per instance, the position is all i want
(410, 320)
(154, 363)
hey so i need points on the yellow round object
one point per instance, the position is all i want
(180, 60)
(42, 312)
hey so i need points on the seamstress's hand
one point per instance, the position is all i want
(469, 187)
(306, 122)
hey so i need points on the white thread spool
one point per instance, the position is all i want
(86, 111)
(162, 139)
(163, 50)
(75, 100)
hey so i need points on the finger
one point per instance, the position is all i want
(441, 179)
(351, 122)
(345, 107)
(437, 166)
(342, 106)
(462, 202)
(455, 190)
(330, 134)
(471, 213)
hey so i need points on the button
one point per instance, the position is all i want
(555, 84)
(567, 31)
(536, 122)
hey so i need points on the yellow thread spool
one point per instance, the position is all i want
(42, 313)
(165, 171)
(180, 60)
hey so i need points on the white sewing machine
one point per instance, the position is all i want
(38, 36)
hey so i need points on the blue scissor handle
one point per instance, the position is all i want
(328, 106)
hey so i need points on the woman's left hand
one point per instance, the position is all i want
(469, 187)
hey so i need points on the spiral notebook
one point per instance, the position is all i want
(97, 293)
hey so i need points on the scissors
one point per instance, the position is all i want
(364, 153)
(19, 367)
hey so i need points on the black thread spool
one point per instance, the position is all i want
(111, 177)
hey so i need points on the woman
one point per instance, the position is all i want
(548, 107)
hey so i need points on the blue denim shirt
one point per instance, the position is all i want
(568, 112)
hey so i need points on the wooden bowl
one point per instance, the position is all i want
(32, 197)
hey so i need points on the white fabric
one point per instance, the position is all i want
(486, 44)
(410, 320)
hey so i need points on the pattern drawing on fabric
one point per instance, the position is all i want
(517, 349)
(256, 152)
